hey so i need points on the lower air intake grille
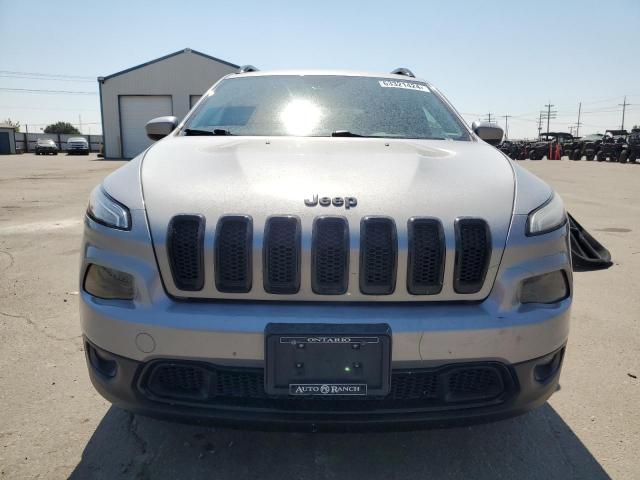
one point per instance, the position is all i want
(378, 254)
(217, 385)
(234, 236)
(185, 251)
(473, 252)
(426, 256)
(330, 256)
(281, 255)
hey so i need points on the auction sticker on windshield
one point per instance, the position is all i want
(405, 85)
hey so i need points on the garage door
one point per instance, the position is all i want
(5, 146)
(135, 112)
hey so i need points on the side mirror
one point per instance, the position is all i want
(489, 132)
(160, 127)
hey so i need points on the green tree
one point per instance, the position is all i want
(61, 127)
(13, 123)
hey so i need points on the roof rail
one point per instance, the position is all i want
(247, 69)
(403, 71)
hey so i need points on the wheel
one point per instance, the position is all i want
(576, 154)
(600, 157)
(633, 157)
(624, 155)
(55, 153)
(590, 157)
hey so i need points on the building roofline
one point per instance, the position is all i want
(185, 50)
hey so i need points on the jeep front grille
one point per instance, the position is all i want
(330, 256)
(426, 256)
(234, 237)
(473, 250)
(281, 256)
(185, 249)
(378, 256)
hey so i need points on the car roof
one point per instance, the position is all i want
(337, 73)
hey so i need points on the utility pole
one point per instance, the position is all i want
(540, 125)
(26, 138)
(506, 126)
(80, 123)
(624, 106)
(578, 124)
(488, 119)
(549, 105)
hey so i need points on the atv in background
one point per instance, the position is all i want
(612, 145)
(510, 149)
(589, 146)
(631, 150)
(571, 149)
(548, 141)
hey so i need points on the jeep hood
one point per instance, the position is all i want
(260, 177)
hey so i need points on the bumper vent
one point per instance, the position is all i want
(217, 385)
(473, 252)
(426, 256)
(281, 255)
(234, 236)
(330, 256)
(378, 256)
(185, 249)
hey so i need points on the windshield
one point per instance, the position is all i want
(45, 141)
(322, 106)
(76, 139)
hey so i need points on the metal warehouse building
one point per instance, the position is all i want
(169, 85)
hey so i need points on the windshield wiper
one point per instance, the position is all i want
(197, 131)
(344, 133)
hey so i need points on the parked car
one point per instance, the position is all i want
(77, 146)
(631, 150)
(612, 145)
(324, 235)
(46, 146)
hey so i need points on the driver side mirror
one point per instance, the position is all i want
(160, 127)
(489, 132)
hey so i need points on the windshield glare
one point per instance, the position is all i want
(320, 105)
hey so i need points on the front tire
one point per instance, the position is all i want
(624, 156)
(600, 157)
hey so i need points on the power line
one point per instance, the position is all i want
(62, 92)
(31, 77)
(46, 75)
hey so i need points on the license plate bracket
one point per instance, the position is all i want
(309, 359)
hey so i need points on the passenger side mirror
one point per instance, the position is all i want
(160, 127)
(489, 132)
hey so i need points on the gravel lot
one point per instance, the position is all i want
(54, 425)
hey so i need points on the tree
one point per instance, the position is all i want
(61, 127)
(13, 123)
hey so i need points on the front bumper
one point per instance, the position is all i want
(237, 401)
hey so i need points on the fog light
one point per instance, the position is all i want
(548, 288)
(107, 283)
(106, 367)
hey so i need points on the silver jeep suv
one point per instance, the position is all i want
(313, 249)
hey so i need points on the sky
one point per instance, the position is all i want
(498, 57)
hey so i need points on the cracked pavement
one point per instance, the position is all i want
(54, 425)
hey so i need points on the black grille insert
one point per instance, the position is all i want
(425, 256)
(233, 246)
(378, 256)
(473, 252)
(185, 250)
(330, 256)
(217, 385)
(281, 255)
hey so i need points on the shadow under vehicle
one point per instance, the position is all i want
(631, 150)
(612, 145)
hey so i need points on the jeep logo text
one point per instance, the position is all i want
(346, 202)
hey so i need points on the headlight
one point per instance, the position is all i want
(547, 288)
(107, 211)
(108, 283)
(548, 217)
